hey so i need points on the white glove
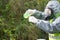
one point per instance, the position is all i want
(33, 19)
(30, 11)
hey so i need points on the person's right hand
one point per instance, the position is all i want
(30, 11)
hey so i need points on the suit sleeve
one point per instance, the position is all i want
(48, 27)
(39, 15)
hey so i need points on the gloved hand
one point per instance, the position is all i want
(33, 19)
(29, 12)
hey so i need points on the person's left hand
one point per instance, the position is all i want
(32, 19)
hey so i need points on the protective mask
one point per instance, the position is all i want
(47, 12)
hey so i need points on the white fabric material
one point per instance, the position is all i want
(53, 0)
(30, 11)
(32, 19)
(53, 27)
(46, 26)
(55, 5)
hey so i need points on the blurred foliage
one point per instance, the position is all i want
(12, 24)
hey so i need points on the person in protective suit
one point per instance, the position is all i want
(49, 20)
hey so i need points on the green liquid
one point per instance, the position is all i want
(26, 15)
